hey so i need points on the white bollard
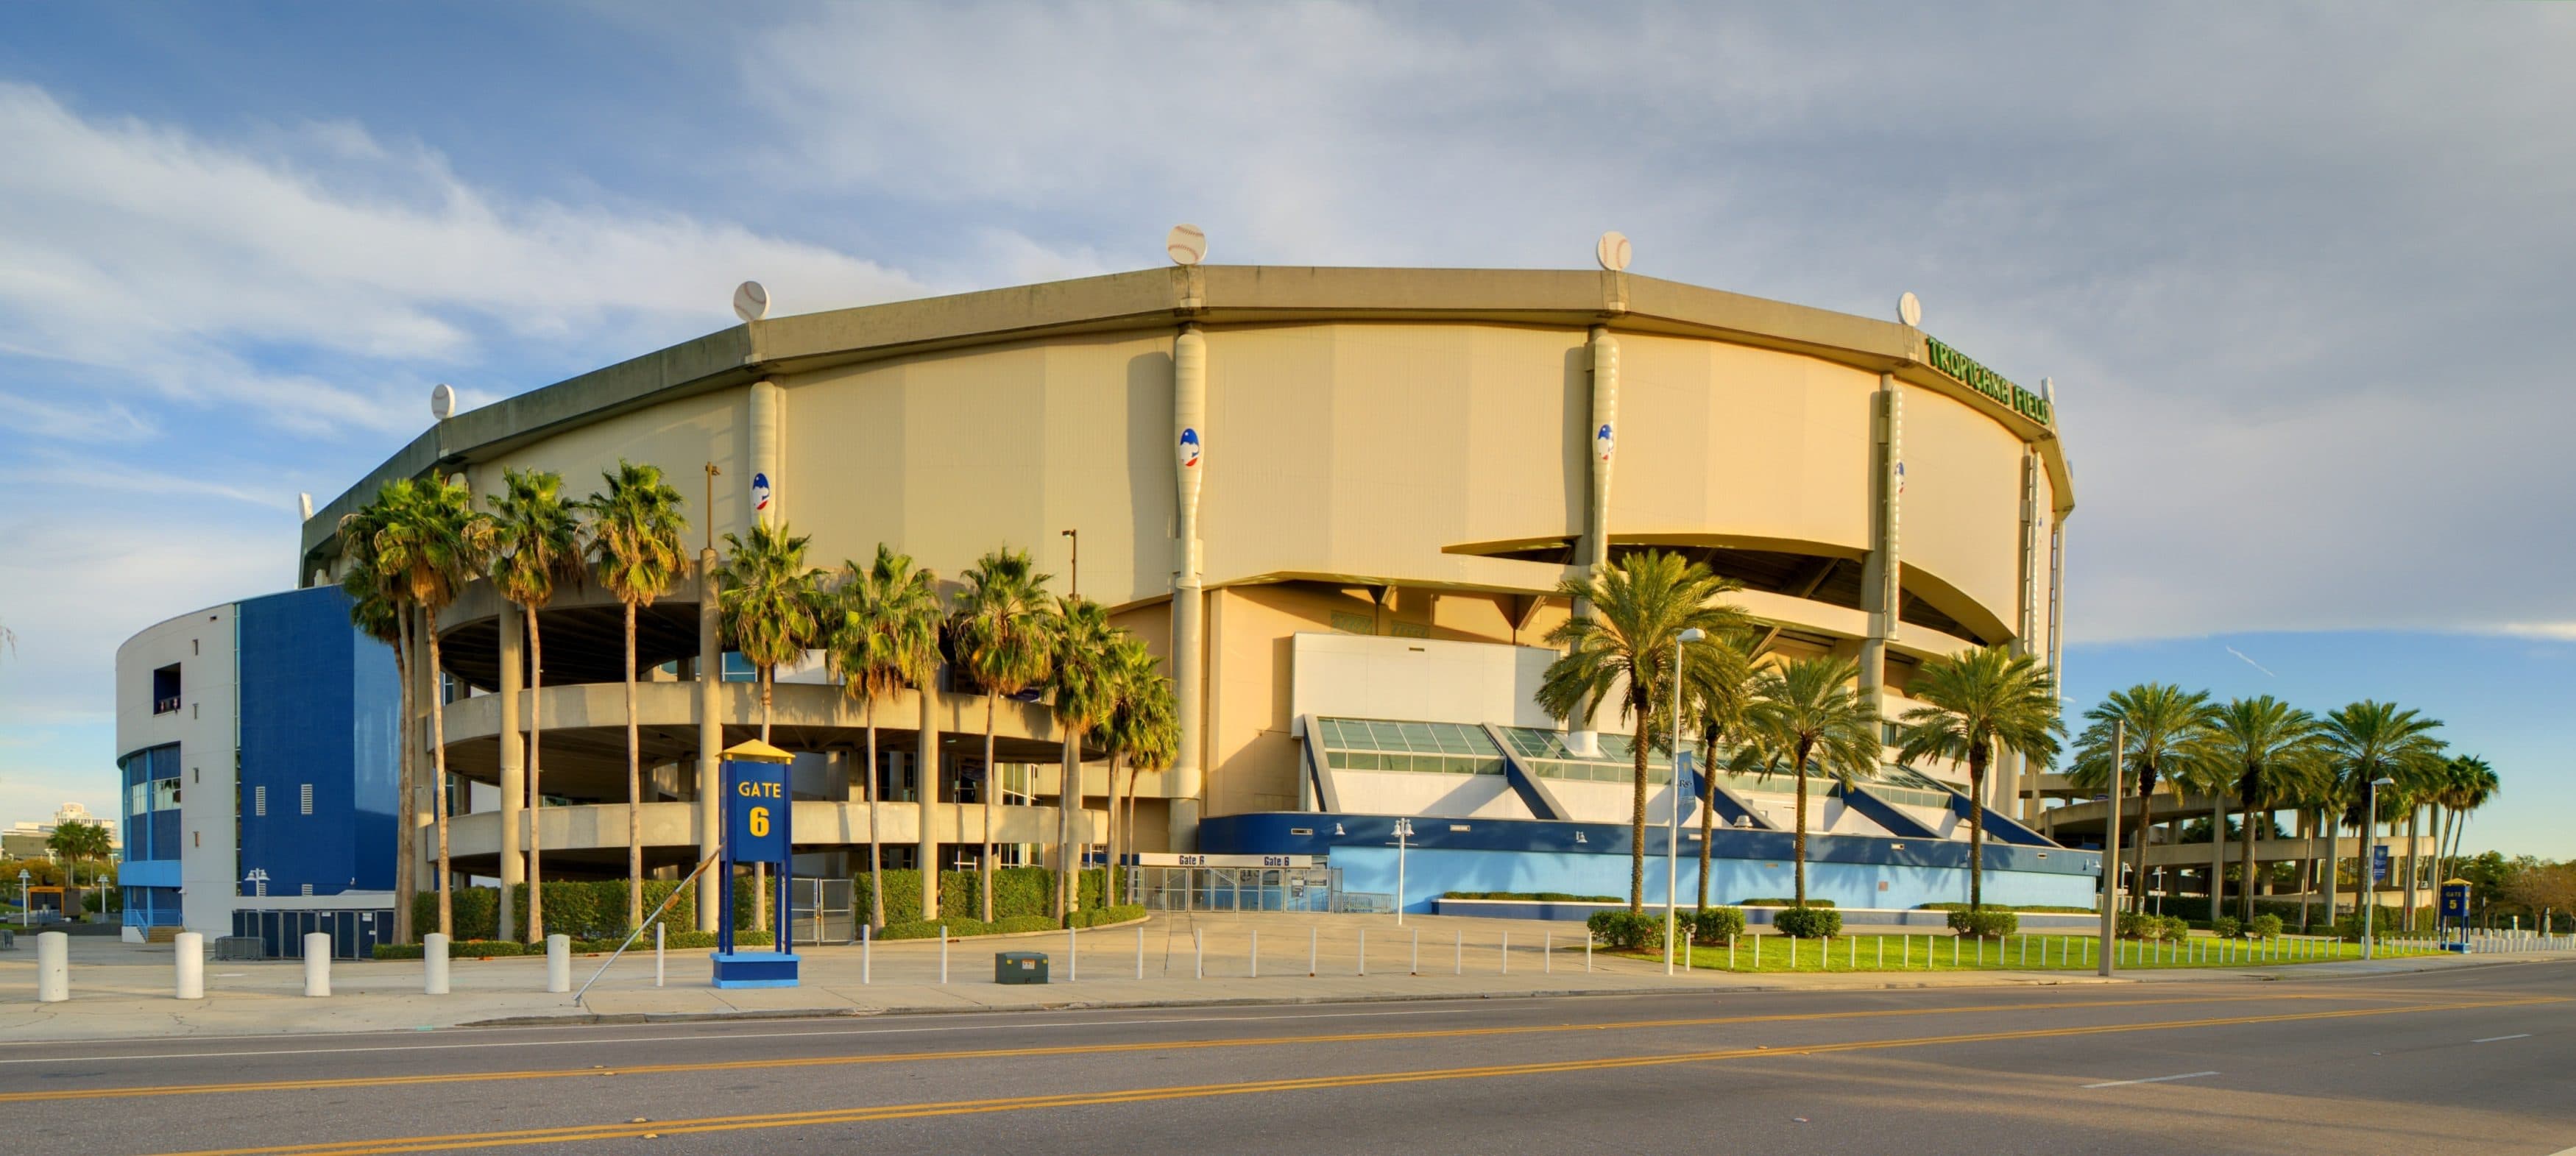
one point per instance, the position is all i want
(657, 953)
(1140, 952)
(1364, 951)
(1547, 955)
(867, 948)
(558, 962)
(1310, 953)
(1198, 954)
(943, 953)
(191, 966)
(1413, 966)
(1072, 957)
(317, 964)
(1458, 962)
(53, 967)
(1256, 953)
(1507, 953)
(433, 964)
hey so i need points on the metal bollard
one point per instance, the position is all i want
(1073, 955)
(943, 953)
(191, 966)
(1364, 951)
(1547, 955)
(1730, 954)
(53, 967)
(1507, 953)
(1587, 952)
(558, 963)
(1140, 952)
(657, 953)
(1198, 954)
(1310, 953)
(433, 964)
(1880, 964)
(1256, 953)
(1458, 964)
(1793, 953)
(1413, 963)
(867, 942)
(317, 963)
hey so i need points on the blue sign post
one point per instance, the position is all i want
(2455, 911)
(758, 828)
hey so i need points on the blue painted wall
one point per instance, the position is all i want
(318, 706)
(1592, 859)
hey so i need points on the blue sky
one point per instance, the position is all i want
(2296, 281)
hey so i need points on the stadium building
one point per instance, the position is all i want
(1337, 503)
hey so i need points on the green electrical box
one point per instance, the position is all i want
(1019, 967)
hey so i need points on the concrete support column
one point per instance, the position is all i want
(514, 767)
(768, 414)
(1605, 442)
(1188, 777)
(2026, 612)
(711, 899)
(1881, 573)
(926, 772)
(2056, 646)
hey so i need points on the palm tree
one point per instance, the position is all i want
(767, 596)
(2161, 723)
(2471, 782)
(635, 528)
(2271, 755)
(1978, 705)
(378, 606)
(2317, 798)
(1721, 699)
(1084, 695)
(435, 544)
(1000, 631)
(1625, 644)
(1808, 711)
(2369, 740)
(884, 634)
(77, 843)
(536, 539)
(1145, 729)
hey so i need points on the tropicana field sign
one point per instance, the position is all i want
(1986, 381)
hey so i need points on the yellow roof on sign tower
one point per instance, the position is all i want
(756, 751)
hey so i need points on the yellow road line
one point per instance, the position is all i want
(711, 1124)
(135, 1091)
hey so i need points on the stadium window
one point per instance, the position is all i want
(308, 798)
(259, 800)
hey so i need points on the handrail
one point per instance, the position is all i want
(650, 920)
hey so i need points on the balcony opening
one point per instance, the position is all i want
(165, 690)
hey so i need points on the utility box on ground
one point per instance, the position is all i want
(1019, 967)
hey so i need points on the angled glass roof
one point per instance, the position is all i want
(1354, 744)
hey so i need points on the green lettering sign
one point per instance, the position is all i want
(1965, 370)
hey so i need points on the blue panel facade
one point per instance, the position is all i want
(317, 789)
(151, 855)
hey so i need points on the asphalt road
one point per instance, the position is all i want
(2470, 1060)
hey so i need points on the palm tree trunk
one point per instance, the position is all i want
(635, 791)
(1130, 825)
(536, 796)
(1707, 818)
(438, 758)
(2245, 821)
(2414, 820)
(2138, 852)
(760, 871)
(2308, 869)
(2332, 826)
(1976, 826)
(876, 852)
(1636, 822)
(1798, 840)
(405, 886)
(1109, 838)
(1067, 778)
(987, 862)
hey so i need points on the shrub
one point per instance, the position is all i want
(1716, 925)
(2266, 927)
(1017, 891)
(1985, 922)
(1808, 922)
(1626, 930)
(2023, 908)
(2226, 927)
(1098, 916)
(1534, 896)
(2133, 925)
(1782, 903)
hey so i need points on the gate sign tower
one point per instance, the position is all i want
(757, 829)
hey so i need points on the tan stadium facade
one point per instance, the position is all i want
(1318, 493)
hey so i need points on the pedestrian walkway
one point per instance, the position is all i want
(1175, 959)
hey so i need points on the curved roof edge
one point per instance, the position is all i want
(1212, 294)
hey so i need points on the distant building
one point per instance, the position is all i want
(27, 839)
(256, 744)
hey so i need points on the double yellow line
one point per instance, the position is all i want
(142, 1091)
(713, 1124)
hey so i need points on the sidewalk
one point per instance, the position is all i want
(123, 990)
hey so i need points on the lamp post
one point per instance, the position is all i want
(2370, 861)
(2111, 851)
(1403, 832)
(258, 880)
(1673, 833)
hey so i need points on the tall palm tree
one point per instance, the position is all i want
(884, 634)
(2270, 754)
(1145, 729)
(378, 605)
(1084, 695)
(2161, 724)
(436, 544)
(1722, 700)
(767, 597)
(536, 539)
(2471, 783)
(635, 528)
(77, 844)
(1000, 630)
(1808, 710)
(1978, 705)
(1625, 644)
(2370, 740)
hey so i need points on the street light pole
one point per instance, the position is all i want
(1673, 833)
(2111, 853)
(2370, 860)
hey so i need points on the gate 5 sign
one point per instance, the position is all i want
(757, 812)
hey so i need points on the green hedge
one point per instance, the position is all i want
(2023, 908)
(1808, 922)
(495, 948)
(1534, 896)
(1782, 902)
(1715, 925)
(1626, 930)
(1017, 891)
(1984, 922)
(2133, 925)
(2265, 926)
(584, 909)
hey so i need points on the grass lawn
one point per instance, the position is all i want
(1945, 952)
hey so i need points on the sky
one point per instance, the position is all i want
(2298, 271)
